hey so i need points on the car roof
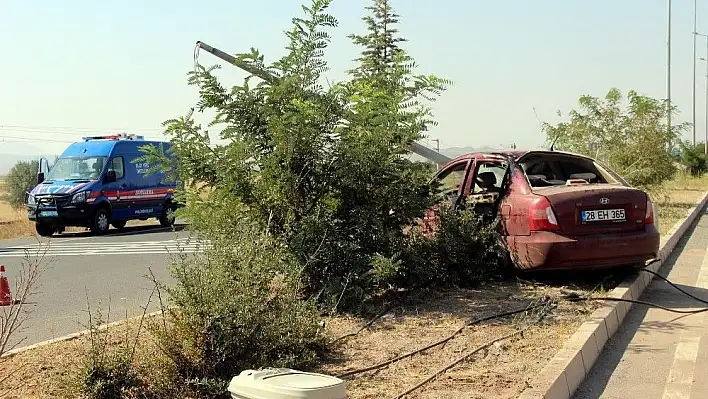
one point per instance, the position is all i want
(516, 154)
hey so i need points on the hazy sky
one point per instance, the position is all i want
(70, 66)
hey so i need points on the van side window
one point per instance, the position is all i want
(117, 166)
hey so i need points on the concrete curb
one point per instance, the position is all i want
(567, 369)
(75, 335)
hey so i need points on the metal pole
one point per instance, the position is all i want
(695, 36)
(668, 65)
(705, 142)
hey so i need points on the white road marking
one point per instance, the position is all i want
(680, 379)
(681, 375)
(60, 248)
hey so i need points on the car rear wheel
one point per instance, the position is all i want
(168, 216)
(101, 222)
(119, 224)
(45, 229)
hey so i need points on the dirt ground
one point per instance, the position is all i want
(502, 371)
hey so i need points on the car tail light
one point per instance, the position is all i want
(649, 214)
(541, 216)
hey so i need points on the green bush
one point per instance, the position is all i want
(238, 307)
(464, 250)
(107, 372)
(693, 158)
(21, 179)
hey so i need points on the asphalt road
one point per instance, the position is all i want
(655, 353)
(80, 271)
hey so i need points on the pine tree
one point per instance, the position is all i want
(384, 116)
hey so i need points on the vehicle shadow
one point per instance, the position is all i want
(126, 231)
(638, 323)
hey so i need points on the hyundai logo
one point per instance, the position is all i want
(604, 201)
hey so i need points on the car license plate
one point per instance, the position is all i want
(603, 215)
(48, 214)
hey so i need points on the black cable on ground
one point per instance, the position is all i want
(574, 297)
(367, 325)
(675, 286)
(531, 306)
(472, 352)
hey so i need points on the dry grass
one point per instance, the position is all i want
(13, 222)
(676, 197)
(500, 372)
(51, 371)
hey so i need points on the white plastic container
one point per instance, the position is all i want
(286, 384)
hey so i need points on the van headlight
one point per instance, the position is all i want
(80, 197)
(30, 199)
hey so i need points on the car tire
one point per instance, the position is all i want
(168, 215)
(45, 229)
(101, 221)
(119, 224)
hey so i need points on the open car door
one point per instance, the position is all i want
(453, 185)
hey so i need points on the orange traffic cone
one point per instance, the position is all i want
(5, 296)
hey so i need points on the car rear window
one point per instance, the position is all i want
(548, 169)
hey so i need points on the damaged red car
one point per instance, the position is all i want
(557, 210)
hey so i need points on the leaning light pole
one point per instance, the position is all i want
(425, 152)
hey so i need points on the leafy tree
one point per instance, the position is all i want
(633, 139)
(693, 158)
(321, 168)
(378, 189)
(21, 179)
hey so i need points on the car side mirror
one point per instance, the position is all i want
(111, 176)
(40, 177)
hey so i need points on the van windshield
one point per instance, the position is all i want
(88, 168)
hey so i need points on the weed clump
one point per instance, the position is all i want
(464, 249)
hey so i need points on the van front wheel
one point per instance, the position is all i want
(45, 229)
(101, 222)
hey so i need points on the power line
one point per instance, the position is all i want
(77, 133)
(30, 139)
(34, 127)
(17, 139)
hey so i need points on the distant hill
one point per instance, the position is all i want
(13, 152)
(454, 152)
(7, 161)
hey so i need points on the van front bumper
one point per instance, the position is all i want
(68, 215)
